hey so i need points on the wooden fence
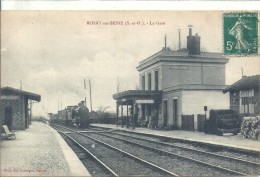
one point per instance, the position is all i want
(201, 122)
(187, 122)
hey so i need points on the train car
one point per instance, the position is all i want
(63, 117)
(73, 116)
(70, 114)
(53, 118)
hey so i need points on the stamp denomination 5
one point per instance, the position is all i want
(240, 33)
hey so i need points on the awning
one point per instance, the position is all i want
(138, 96)
(17, 92)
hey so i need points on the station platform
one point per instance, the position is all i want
(232, 141)
(39, 151)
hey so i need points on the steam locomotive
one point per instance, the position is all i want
(77, 116)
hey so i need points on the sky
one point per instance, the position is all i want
(51, 52)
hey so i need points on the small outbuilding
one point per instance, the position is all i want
(15, 107)
(244, 95)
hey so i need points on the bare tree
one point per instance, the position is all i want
(102, 111)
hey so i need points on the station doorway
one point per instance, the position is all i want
(8, 116)
(165, 113)
(175, 113)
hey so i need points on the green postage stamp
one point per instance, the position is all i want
(240, 33)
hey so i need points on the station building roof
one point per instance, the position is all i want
(168, 55)
(250, 82)
(17, 92)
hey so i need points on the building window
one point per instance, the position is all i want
(156, 80)
(247, 97)
(143, 82)
(247, 101)
(149, 81)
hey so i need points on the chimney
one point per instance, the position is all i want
(193, 43)
(82, 103)
(190, 30)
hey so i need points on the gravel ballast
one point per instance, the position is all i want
(121, 164)
(177, 165)
(93, 167)
(235, 165)
(193, 145)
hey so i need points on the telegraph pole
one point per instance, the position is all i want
(179, 39)
(21, 85)
(165, 41)
(85, 87)
(90, 96)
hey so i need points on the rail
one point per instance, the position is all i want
(118, 150)
(194, 150)
(92, 155)
(180, 156)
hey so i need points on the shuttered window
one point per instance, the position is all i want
(156, 80)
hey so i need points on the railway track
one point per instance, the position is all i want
(228, 163)
(252, 158)
(196, 150)
(174, 160)
(95, 166)
(179, 163)
(65, 129)
(117, 161)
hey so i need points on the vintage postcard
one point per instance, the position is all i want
(130, 93)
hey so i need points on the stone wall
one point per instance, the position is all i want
(16, 104)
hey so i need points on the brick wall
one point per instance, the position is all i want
(17, 111)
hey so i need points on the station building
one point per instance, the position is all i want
(174, 87)
(16, 107)
(245, 95)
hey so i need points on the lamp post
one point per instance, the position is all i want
(205, 109)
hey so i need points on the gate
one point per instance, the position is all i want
(187, 122)
(201, 122)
